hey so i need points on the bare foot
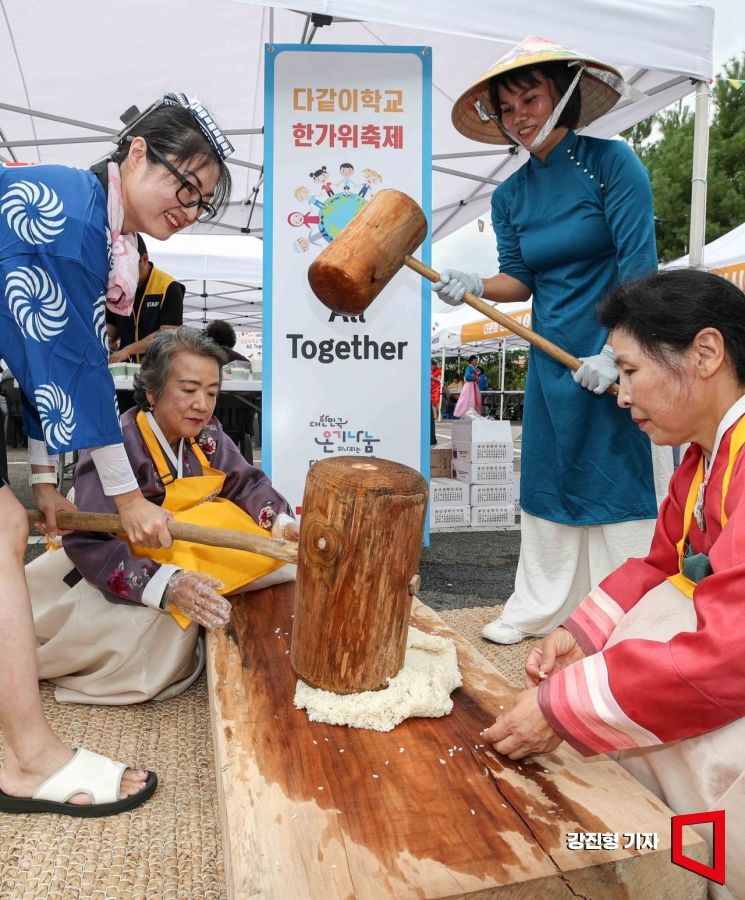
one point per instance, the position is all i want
(23, 782)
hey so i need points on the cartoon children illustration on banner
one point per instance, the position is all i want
(328, 208)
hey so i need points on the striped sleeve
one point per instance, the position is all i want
(579, 705)
(594, 620)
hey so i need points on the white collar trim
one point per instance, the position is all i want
(176, 460)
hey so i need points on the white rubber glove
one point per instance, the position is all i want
(454, 284)
(597, 373)
(193, 594)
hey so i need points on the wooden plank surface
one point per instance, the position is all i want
(320, 811)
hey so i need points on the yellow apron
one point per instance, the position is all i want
(681, 581)
(196, 501)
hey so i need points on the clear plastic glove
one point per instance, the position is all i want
(144, 522)
(285, 527)
(194, 595)
(597, 373)
(454, 284)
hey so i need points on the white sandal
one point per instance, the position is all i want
(86, 773)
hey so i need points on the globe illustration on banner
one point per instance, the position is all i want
(337, 212)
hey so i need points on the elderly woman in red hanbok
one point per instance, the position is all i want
(651, 665)
(117, 622)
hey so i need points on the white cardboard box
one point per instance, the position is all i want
(492, 451)
(448, 492)
(516, 489)
(448, 515)
(471, 431)
(502, 514)
(491, 494)
(482, 473)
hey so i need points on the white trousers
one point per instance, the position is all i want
(560, 564)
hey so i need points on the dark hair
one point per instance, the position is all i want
(156, 363)
(473, 357)
(664, 312)
(221, 332)
(321, 171)
(174, 133)
(557, 72)
(141, 245)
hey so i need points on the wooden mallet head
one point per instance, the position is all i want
(355, 267)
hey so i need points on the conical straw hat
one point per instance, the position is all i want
(600, 87)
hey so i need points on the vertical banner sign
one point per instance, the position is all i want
(342, 123)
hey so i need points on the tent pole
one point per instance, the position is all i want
(697, 236)
(501, 381)
(204, 304)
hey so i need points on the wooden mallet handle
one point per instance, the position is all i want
(486, 309)
(275, 548)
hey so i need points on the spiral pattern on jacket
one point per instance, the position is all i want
(33, 211)
(99, 321)
(56, 413)
(37, 302)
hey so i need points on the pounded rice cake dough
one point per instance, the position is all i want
(422, 688)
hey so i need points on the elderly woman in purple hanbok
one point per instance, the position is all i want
(117, 622)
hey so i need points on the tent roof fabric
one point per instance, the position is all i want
(727, 250)
(66, 60)
(68, 72)
(222, 274)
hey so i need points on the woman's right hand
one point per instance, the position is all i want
(194, 595)
(453, 285)
(555, 652)
(144, 522)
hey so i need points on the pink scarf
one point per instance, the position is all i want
(124, 273)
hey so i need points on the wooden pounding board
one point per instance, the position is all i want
(303, 814)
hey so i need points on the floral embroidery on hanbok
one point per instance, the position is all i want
(266, 517)
(207, 440)
(120, 582)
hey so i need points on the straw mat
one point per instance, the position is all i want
(171, 847)
(509, 659)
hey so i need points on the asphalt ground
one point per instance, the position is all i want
(458, 569)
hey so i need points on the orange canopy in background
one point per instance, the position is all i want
(488, 330)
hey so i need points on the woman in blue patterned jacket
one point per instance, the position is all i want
(67, 251)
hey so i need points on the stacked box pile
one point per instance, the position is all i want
(483, 456)
(440, 460)
(448, 499)
(448, 503)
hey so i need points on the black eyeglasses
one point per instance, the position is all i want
(187, 194)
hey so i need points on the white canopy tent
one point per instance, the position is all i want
(80, 70)
(222, 274)
(68, 70)
(725, 256)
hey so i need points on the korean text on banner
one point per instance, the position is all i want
(342, 123)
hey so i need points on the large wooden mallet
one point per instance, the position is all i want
(275, 548)
(355, 267)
